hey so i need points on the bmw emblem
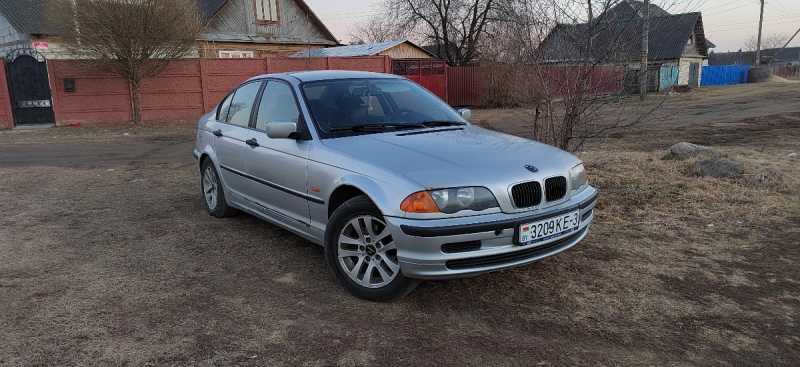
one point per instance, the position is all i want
(531, 168)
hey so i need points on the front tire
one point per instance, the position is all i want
(213, 192)
(362, 254)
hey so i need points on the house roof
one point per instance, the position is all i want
(367, 49)
(621, 40)
(631, 9)
(27, 16)
(209, 8)
(30, 16)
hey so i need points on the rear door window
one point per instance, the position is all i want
(241, 106)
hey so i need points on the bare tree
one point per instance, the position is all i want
(768, 41)
(456, 27)
(564, 61)
(376, 28)
(134, 38)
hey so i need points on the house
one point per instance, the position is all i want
(234, 28)
(260, 28)
(24, 27)
(789, 55)
(677, 47)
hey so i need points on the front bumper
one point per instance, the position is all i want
(482, 243)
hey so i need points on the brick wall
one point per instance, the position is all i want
(185, 91)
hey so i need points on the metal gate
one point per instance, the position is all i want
(427, 73)
(29, 90)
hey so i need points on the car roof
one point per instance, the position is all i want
(317, 75)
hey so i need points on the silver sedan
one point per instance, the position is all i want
(395, 184)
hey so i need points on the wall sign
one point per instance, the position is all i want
(41, 45)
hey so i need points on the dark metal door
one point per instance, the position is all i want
(29, 90)
(694, 74)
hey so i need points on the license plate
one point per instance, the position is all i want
(550, 229)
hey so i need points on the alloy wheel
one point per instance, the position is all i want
(367, 252)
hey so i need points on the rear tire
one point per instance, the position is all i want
(213, 192)
(362, 254)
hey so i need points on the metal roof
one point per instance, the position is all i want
(222, 37)
(367, 49)
(27, 16)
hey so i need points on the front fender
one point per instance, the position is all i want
(386, 196)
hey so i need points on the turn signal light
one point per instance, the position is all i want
(419, 202)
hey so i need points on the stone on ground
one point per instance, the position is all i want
(684, 150)
(720, 167)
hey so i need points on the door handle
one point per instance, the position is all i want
(252, 142)
(217, 133)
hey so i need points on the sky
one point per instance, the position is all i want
(726, 22)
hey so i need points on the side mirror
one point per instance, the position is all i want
(465, 113)
(281, 129)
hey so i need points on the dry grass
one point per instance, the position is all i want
(124, 267)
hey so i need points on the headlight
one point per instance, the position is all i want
(578, 176)
(449, 201)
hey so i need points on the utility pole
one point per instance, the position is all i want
(758, 43)
(784, 46)
(645, 41)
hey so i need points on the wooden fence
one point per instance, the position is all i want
(786, 71)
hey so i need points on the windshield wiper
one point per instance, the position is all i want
(377, 127)
(357, 128)
(433, 123)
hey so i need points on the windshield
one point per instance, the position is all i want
(363, 106)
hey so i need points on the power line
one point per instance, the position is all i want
(727, 10)
(751, 21)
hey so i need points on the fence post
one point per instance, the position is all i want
(54, 89)
(8, 123)
(204, 85)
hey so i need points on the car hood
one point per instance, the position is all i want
(457, 156)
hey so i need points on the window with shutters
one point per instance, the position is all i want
(266, 11)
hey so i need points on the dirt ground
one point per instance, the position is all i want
(109, 259)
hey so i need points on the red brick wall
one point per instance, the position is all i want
(6, 120)
(183, 92)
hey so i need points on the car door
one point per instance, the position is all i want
(230, 130)
(279, 166)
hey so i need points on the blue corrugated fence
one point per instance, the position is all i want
(724, 75)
